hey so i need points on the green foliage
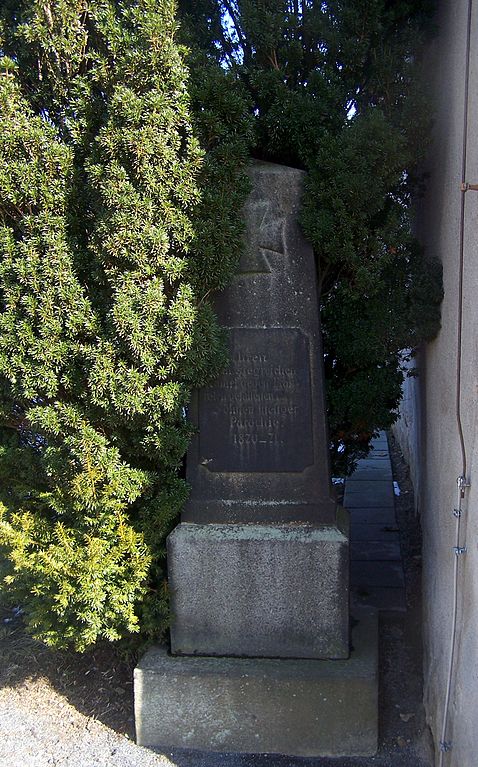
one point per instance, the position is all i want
(121, 181)
(334, 91)
(113, 232)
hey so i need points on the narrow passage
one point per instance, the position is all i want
(377, 578)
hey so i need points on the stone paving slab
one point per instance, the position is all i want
(372, 532)
(376, 455)
(387, 574)
(372, 470)
(383, 441)
(378, 452)
(373, 516)
(377, 578)
(368, 494)
(375, 550)
(379, 444)
(381, 598)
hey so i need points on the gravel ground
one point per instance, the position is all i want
(64, 710)
(56, 734)
(56, 711)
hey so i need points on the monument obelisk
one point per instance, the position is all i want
(258, 566)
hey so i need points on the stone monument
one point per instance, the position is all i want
(258, 567)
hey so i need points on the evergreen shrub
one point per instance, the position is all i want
(115, 227)
(121, 178)
(335, 90)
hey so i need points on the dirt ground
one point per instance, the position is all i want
(62, 709)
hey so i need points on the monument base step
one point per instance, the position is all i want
(247, 705)
(260, 591)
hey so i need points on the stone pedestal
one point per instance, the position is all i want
(259, 565)
(294, 707)
(259, 591)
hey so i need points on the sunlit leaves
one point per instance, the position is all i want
(108, 255)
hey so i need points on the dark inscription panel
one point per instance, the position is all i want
(258, 415)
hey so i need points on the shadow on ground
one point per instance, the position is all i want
(97, 683)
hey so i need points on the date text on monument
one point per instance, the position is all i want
(257, 417)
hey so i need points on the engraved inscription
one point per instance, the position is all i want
(257, 417)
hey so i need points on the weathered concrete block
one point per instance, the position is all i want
(259, 591)
(294, 707)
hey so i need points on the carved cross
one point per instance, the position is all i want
(265, 237)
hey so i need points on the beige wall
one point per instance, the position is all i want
(431, 439)
(408, 427)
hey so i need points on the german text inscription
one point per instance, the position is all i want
(258, 416)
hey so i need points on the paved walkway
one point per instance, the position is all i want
(376, 567)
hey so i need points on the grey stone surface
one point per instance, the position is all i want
(378, 453)
(372, 470)
(371, 494)
(365, 515)
(360, 531)
(387, 574)
(294, 707)
(375, 550)
(380, 442)
(379, 597)
(377, 578)
(260, 454)
(259, 590)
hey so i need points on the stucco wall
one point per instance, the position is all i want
(431, 439)
(408, 429)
